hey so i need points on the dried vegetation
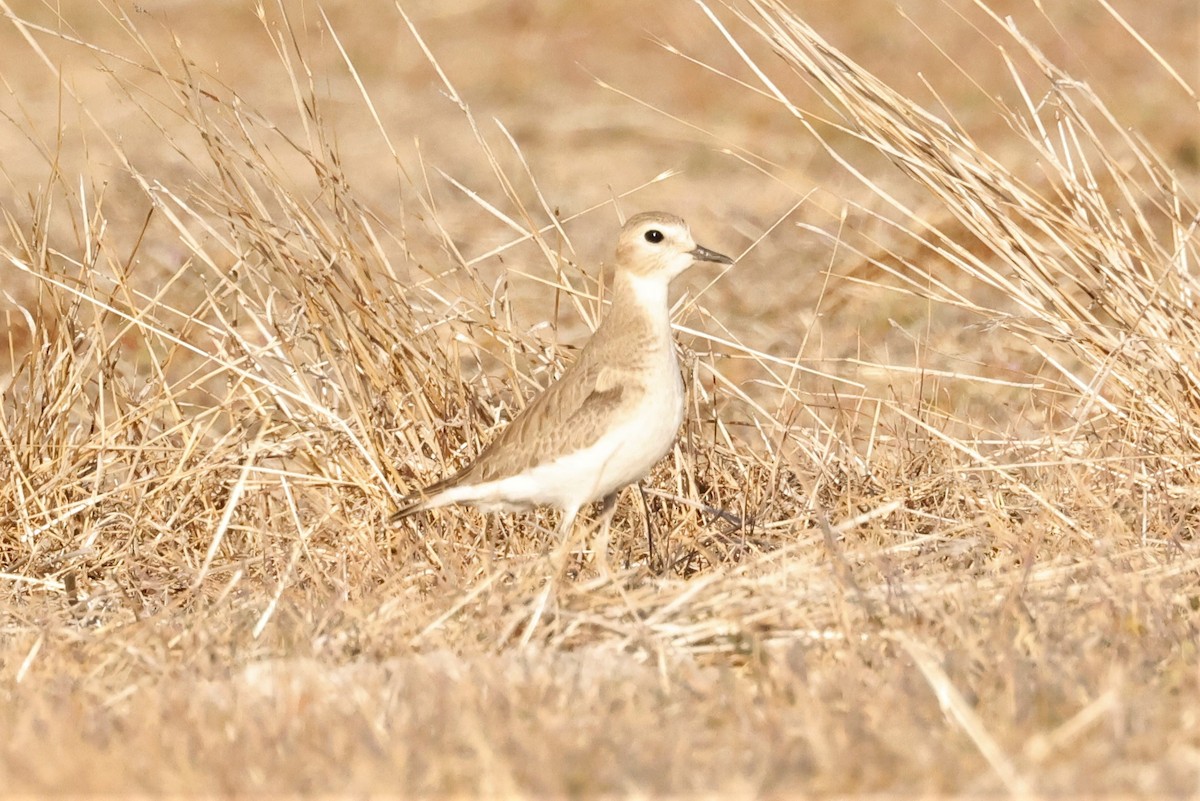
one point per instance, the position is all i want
(930, 526)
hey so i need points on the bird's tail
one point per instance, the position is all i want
(409, 506)
(427, 498)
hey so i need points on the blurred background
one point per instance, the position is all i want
(600, 98)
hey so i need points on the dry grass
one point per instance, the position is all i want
(930, 526)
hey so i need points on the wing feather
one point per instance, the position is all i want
(571, 414)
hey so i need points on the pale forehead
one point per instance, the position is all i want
(652, 218)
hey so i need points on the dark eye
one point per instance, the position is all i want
(654, 235)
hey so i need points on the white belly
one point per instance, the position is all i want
(623, 455)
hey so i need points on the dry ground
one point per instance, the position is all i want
(266, 270)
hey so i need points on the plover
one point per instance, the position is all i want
(614, 412)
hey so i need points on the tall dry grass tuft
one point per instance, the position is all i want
(242, 403)
(229, 351)
(1091, 241)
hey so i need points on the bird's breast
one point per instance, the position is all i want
(650, 426)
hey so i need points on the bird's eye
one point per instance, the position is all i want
(654, 235)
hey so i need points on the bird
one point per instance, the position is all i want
(611, 416)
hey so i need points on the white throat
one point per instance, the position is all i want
(650, 294)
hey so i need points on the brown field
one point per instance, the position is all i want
(930, 527)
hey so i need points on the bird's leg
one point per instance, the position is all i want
(565, 540)
(564, 525)
(600, 545)
(656, 564)
(557, 551)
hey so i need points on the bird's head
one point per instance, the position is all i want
(659, 245)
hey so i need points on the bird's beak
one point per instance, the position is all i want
(704, 254)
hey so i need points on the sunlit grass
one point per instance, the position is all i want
(928, 527)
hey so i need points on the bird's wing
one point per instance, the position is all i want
(573, 413)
